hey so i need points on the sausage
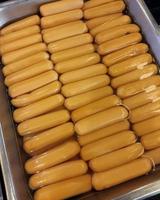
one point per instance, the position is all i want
(29, 72)
(60, 7)
(55, 156)
(147, 126)
(138, 74)
(23, 53)
(107, 145)
(65, 189)
(24, 63)
(125, 53)
(70, 29)
(43, 122)
(124, 19)
(49, 137)
(61, 18)
(142, 98)
(38, 108)
(106, 9)
(147, 84)
(10, 37)
(21, 24)
(86, 85)
(58, 173)
(77, 101)
(119, 43)
(100, 120)
(95, 3)
(72, 53)
(77, 63)
(116, 32)
(144, 112)
(104, 132)
(67, 43)
(123, 173)
(95, 107)
(154, 155)
(130, 64)
(20, 43)
(38, 94)
(151, 140)
(92, 23)
(116, 158)
(80, 74)
(32, 83)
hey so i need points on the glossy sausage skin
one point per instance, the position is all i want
(100, 120)
(65, 189)
(107, 145)
(54, 156)
(77, 101)
(115, 176)
(104, 132)
(58, 173)
(154, 155)
(116, 158)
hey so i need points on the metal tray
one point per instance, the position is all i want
(11, 154)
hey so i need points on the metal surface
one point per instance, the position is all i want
(11, 153)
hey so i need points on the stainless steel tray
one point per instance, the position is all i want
(11, 154)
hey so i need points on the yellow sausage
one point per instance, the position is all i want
(21, 24)
(126, 53)
(144, 112)
(38, 108)
(38, 94)
(130, 64)
(100, 120)
(28, 72)
(24, 63)
(60, 7)
(74, 41)
(70, 29)
(58, 173)
(106, 9)
(32, 83)
(61, 18)
(104, 132)
(95, 3)
(49, 137)
(4, 39)
(77, 101)
(55, 156)
(23, 53)
(142, 98)
(80, 74)
(147, 84)
(95, 107)
(77, 63)
(122, 20)
(116, 158)
(43, 122)
(119, 43)
(20, 43)
(115, 176)
(72, 53)
(151, 141)
(92, 23)
(154, 155)
(65, 189)
(116, 32)
(147, 126)
(139, 74)
(107, 145)
(85, 85)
